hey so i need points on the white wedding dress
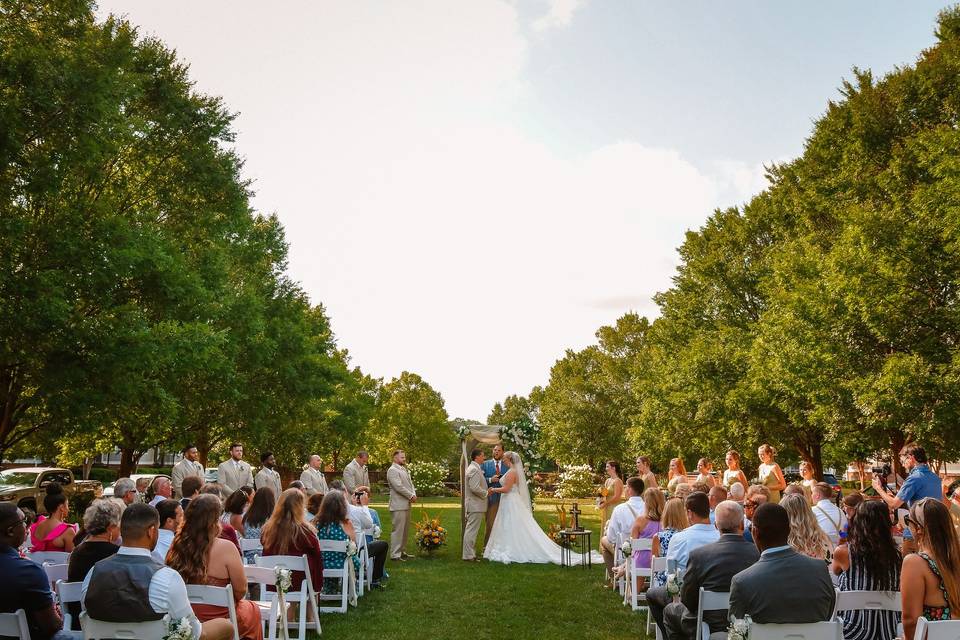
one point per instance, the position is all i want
(516, 536)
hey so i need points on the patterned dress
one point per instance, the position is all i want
(664, 536)
(334, 559)
(867, 624)
(936, 613)
(251, 532)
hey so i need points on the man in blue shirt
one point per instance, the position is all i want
(921, 483)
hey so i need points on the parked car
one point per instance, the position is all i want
(27, 486)
(140, 478)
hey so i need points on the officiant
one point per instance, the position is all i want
(493, 470)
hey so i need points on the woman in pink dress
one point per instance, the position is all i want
(53, 533)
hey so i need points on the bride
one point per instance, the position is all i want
(516, 536)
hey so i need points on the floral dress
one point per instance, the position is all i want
(664, 536)
(251, 532)
(933, 613)
(334, 559)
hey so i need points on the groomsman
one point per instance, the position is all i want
(493, 470)
(355, 476)
(474, 503)
(312, 477)
(235, 473)
(267, 477)
(188, 466)
(402, 495)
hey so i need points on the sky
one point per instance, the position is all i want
(471, 187)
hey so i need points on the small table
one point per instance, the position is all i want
(582, 539)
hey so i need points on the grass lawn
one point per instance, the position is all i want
(442, 597)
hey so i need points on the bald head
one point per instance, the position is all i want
(729, 517)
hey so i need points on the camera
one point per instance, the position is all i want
(882, 471)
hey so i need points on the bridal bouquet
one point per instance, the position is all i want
(179, 629)
(430, 535)
(739, 629)
(674, 582)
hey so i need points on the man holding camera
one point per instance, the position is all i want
(921, 483)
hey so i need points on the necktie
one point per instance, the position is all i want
(498, 467)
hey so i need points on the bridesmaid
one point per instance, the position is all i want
(614, 486)
(705, 473)
(733, 472)
(770, 473)
(677, 475)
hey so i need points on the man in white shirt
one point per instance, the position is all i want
(358, 515)
(171, 515)
(699, 533)
(621, 521)
(267, 476)
(235, 473)
(312, 477)
(162, 490)
(831, 517)
(120, 588)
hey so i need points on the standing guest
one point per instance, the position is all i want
(674, 519)
(736, 493)
(133, 587)
(257, 515)
(645, 473)
(648, 525)
(733, 472)
(783, 587)
(806, 536)
(621, 521)
(676, 476)
(614, 489)
(830, 517)
(474, 504)
(268, 476)
(234, 508)
(493, 470)
(359, 516)
(807, 479)
(235, 473)
(287, 533)
(716, 495)
(377, 549)
(930, 580)
(402, 495)
(312, 477)
(53, 533)
(705, 473)
(125, 490)
(101, 521)
(189, 466)
(143, 486)
(171, 516)
(951, 499)
(355, 474)
(770, 473)
(160, 489)
(333, 524)
(921, 483)
(25, 585)
(201, 557)
(870, 561)
(190, 489)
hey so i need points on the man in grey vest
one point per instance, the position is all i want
(133, 587)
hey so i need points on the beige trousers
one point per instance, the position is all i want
(491, 516)
(470, 535)
(608, 552)
(398, 536)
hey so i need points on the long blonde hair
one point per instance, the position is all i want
(674, 515)
(654, 503)
(805, 536)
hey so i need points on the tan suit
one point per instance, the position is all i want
(313, 480)
(355, 475)
(474, 506)
(181, 470)
(232, 477)
(401, 490)
(269, 478)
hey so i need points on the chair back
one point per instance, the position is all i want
(641, 544)
(831, 630)
(709, 601)
(67, 592)
(658, 564)
(55, 572)
(217, 597)
(14, 625)
(51, 557)
(102, 630)
(937, 630)
(870, 600)
(337, 546)
(250, 544)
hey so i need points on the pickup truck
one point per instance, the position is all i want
(27, 486)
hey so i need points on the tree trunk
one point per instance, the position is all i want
(862, 472)
(128, 461)
(811, 453)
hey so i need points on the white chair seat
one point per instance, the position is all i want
(102, 630)
(15, 625)
(832, 630)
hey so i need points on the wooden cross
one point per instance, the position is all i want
(575, 514)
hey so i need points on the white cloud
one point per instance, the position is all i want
(559, 14)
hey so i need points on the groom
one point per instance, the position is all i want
(493, 470)
(474, 504)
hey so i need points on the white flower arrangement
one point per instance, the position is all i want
(739, 629)
(576, 481)
(674, 582)
(351, 548)
(179, 629)
(627, 548)
(283, 579)
(463, 432)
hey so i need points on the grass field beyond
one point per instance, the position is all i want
(440, 597)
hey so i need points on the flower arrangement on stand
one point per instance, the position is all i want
(430, 534)
(558, 526)
(463, 432)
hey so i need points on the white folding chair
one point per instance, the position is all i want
(939, 630)
(305, 596)
(710, 601)
(870, 601)
(217, 597)
(634, 573)
(657, 565)
(55, 572)
(364, 554)
(15, 625)
(50, 557)
(67, 592)
(268, 603)
(831, 630)
(250, 544)
(342, 572)
(102, 630)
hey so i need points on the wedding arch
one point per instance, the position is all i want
(470, 436)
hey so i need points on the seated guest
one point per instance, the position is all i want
(930, 580)
(850, 503)
(160, 489)
(234, 508)
(796, 489)
(702, 487)
(25, 585)
(53, 533)
(736, 493)
(125, 491)
(287, 533)
(227, 532)
(333, 524)
(215, 489)
(101, 522)
(806, 536)
(870, 561)
(359, 517)
(171, 515)
(831, 519)
(699, 533)
(712, 567)
(756, 495)
(645, 527)
(376, 548)
(298, 485)
(716, 495)
(191, 489)
(674, 519)
(133, 587)
(201, 557)
(143, 487)
(621, 521)
(783, 586)
(682, 491)
(313, 505)
(264, 501)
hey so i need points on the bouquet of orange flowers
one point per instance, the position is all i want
(430, 535)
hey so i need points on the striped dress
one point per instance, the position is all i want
(867, 625)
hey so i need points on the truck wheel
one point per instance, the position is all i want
(29, 509)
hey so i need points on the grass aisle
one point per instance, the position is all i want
(442, 597)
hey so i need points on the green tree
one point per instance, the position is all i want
(411, 416)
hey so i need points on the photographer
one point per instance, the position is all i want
(921, 483)
(376, 548)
